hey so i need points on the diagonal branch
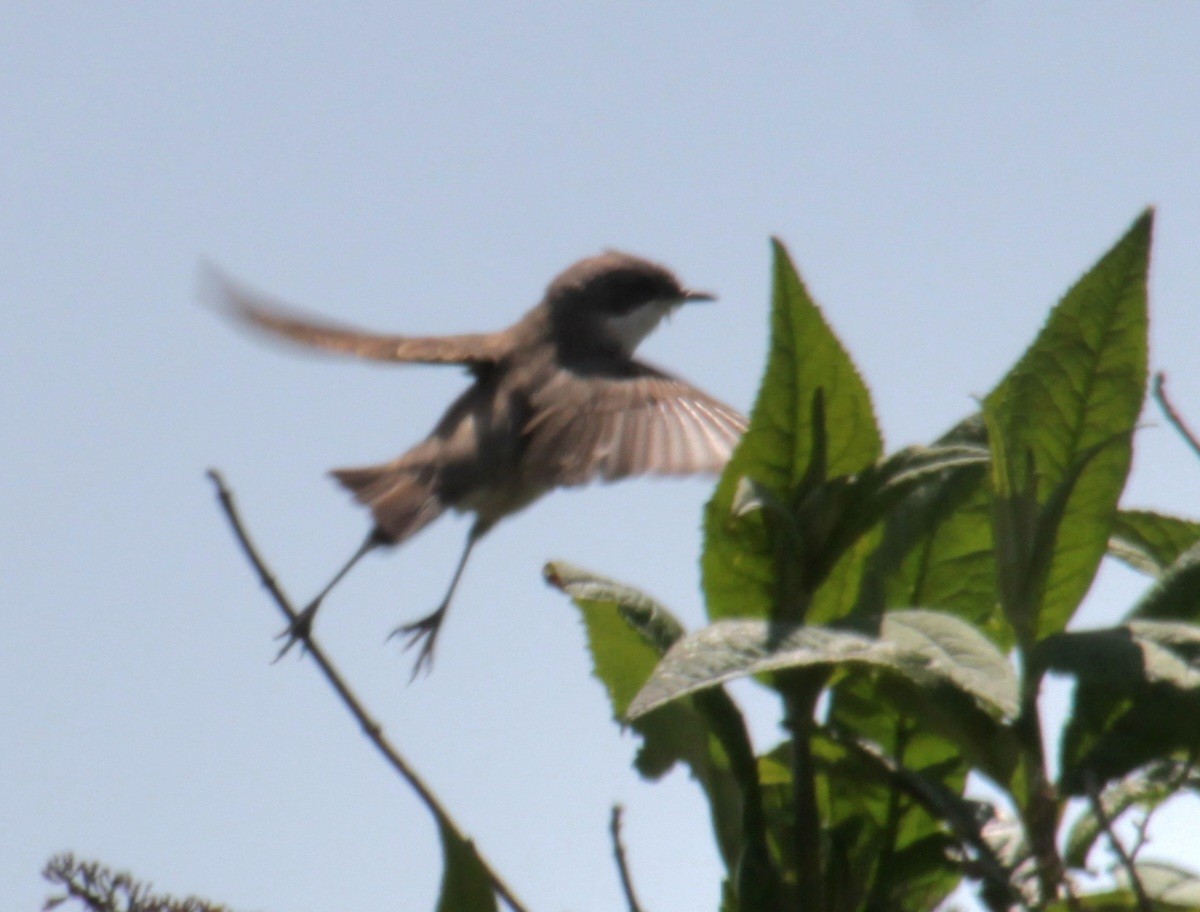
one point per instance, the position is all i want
(371, 728)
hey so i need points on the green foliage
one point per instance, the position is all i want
(1061, 428)
(813, 420)
(924, 647)
(896, 588)
(628, 633)
(1151, 542)
(905, 609)
(937, 550)
(1176, 593)
(1137, 698)
(917, 778)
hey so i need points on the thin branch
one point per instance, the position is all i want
(614, 829)
(800, 695)
(371, 728)
(1160, 396)
(1143, 901)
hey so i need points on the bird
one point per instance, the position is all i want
(556, 400)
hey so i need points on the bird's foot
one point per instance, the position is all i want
(298, 631)
(423, 633)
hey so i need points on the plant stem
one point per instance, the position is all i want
(1039, 805)
(801, 690)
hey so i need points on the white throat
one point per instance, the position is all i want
(628, 330)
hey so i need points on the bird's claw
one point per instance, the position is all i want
(423, 632)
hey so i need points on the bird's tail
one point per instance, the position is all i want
(403, 498)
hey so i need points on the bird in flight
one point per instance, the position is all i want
(556, 400)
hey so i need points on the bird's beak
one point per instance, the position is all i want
(697, 297)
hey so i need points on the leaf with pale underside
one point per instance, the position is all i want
(1175, 595)
(921, 646)
(628, 632)
(1137, 697)
(1151, 542)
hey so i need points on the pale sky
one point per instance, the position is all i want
(941, 172)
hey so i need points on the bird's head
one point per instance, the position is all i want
(614, 300)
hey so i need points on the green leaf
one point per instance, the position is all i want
(1014, 527)
(628, 632)
(922, 646)
(466, 886)
(958, 652)
(1068, 409)
(912, 810)
(1137, 697)
(855, 524)
(836, 528)
(1151, 542)
(1126, 657)
(935, 714)
(937, 547)
(810, 386)
(1175, 595)
(737, 648)
(914, 770)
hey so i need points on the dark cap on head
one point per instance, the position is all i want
(616, 283)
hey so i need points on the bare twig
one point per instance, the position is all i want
(1160, 396)
(1126, 860)
(614, 828)
(371, 728)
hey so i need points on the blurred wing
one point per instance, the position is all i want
(648, 423)
(284, 322)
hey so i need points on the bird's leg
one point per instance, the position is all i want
(425, 630)
(300, 628)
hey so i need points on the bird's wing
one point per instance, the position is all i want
(285, 322)
(643, 422)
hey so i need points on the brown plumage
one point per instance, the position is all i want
(557, 401)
